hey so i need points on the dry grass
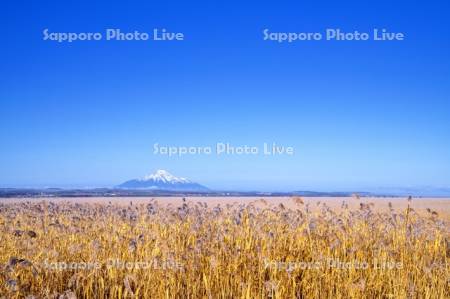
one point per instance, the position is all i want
(252, 250)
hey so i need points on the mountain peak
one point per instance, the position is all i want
(163, 180)
(164, 176)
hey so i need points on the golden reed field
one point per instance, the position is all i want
(224, 248)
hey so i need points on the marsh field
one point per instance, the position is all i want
(212, 247)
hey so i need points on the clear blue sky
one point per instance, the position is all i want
(359, 114)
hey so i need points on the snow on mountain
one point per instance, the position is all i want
(163, 180)
(165, 177)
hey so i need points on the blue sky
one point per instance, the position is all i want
(360, 115)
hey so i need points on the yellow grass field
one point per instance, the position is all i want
(211, 247)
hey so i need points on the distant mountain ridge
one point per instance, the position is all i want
(163, 180)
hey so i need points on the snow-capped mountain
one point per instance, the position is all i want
(163, 180)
